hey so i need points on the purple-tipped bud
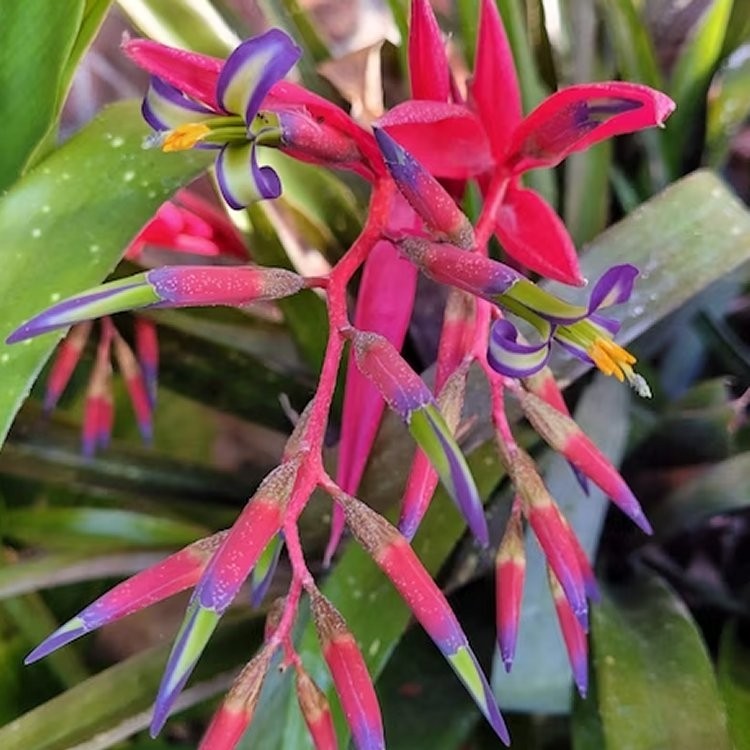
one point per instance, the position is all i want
(350, 676)
(447, 264)
(135, 385)
(573, 635)
(309, 139)
(510, 571)
(67, 357)
(425, 194)
(565, 436)
(147, 350)
(393, 555)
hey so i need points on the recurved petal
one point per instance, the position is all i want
(579, 116)
(614, 287)
(509, 356)
(252, 69)
(166, 107)
(530, 231)
(241, 179)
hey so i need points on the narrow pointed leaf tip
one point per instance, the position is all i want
(170, 286)
(176, 573)
(393, 555)
(238, 708)
(350, 675)
(425, 194)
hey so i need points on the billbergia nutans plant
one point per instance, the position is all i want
(447, 177)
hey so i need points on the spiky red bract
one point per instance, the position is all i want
(530, 231)
(428, 68)
(495, 78)
(350, 676)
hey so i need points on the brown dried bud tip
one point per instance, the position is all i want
(244, 693)
(312, 700)
(369, 528)
(278, 486)
(328, 620)
(525, 477)
(555, 427)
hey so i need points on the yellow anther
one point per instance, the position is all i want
(612, 359)
(185, 136)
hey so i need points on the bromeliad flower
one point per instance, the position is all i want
(231, 120)
(489, 140)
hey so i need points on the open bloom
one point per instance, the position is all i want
(232, 122)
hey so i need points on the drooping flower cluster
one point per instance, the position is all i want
(413, 225)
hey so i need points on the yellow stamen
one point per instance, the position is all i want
(185, 136)
(612, 359)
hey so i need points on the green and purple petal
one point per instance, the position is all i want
(241, 179)
(252, 69)
(166, 107)
(513, 358)
(264, 570)
(195, 632)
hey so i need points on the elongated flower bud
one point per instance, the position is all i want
(393, 555)
(423, 478)
(573, 635)
(67, 357)
(230, 565)
(98, 412)
(553, 534)
(425, 194)
(176, 573)
(567, 438)
(510, 571)
(136, 386)
(349, 673)
(170, 286)
(406, 393)
(236, 712)
(319, 142)
(147, 351)
(471, 272)
(315, 711)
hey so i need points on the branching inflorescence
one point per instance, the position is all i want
(418, 158)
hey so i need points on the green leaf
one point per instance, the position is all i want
(728, 107)
(692, 74)
(192, 24)
(724, 488)
(541, 681)
(655, 683)
(36, 41)
(115, 703)
(734, 682)
(67, 222)
(304, 313)
(66, 528)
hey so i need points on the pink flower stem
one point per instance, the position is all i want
(311, 471)
(492, 202)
